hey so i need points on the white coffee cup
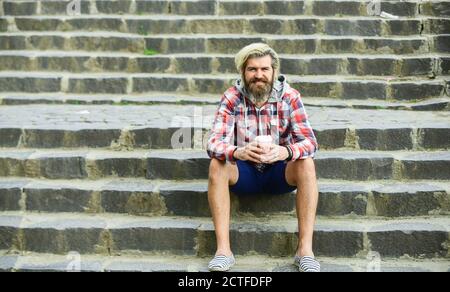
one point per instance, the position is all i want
(264, 142)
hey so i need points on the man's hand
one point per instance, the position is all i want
(250, 152)
(276, 153)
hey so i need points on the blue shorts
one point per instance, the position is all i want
(271, 181)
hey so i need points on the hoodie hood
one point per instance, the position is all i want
(279, 88)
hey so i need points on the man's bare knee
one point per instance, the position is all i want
(300, 169)
(305, 167)
(218, 170)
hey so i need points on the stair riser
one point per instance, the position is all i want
(224, 45)
(202, 242)
(136, 84)
(361, 169)
(158, 138)
(337, 27)
(320, 8)
(217, 65)
(168, 202)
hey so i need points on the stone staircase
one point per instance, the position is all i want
(90, 103)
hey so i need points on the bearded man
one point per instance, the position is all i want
(261, 142)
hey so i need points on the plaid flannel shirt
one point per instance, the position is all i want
(283, 117)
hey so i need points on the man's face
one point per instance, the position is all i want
(258, 77)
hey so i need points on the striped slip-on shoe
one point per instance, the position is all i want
(306, 264)
(221, 263)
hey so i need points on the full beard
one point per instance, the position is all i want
(259, 92)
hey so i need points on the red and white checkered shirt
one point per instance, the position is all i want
(238, 122)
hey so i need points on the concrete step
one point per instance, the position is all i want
(178, 126)
(206, 7)
(428, 65)
(160, 98)
(288, 25)
(189, 198)
(435, 8)
(143, 262)
(273, 236)
(220, 44)
(330, 86)
(152, 98)
(194, 164)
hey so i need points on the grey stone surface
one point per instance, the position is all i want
(355, 169)
(391, 139)
(113, 7)
(404, 27)
(98, 85)
(424, 166)
(60, 7)
(359, 27)
(7, 263)
(27, 24)
(240, 8)
(342, 203)
(171, 45)
(18, 8)
(417, 66)
(186, 202)
(49, 240)
(405, 204)
(175, 240)
(118, 167)
(400, 8)
(131, 202)
(330, 8)
(156, 7)
(61, 167)
(445, 65)
(30, 84)
(9, 199)
(412, 243)
(411, 91)
(442, 43)
(3, 25)
(188, 168)
(42, 138)
(11, 42)
(435, 138)
(284, 8)
(436, 8)
(13, 164)
(159, 84)
(62, 200)
(378, 66)
(363, 90)
(439, 26)
(47, 42)
(9, 137)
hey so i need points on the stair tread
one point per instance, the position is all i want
(77, 117)
(201, 185)
(212, 99)
(98, 33)
(67, 53)
(125, 16)
(225, 77)
(176, 154)
(148, 262)
(279, 223)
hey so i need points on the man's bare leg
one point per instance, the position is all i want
(221, 176)
(302, 173)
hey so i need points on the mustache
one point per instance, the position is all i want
(254, 80)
